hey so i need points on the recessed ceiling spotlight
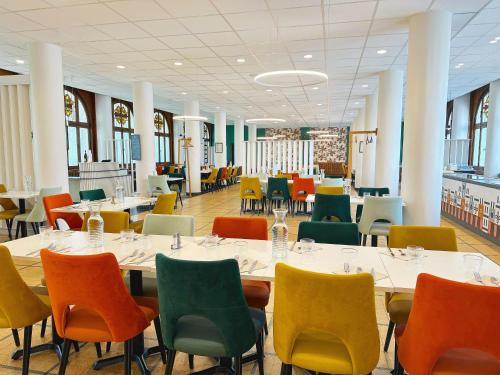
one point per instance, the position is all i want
(178, 63)
(225, 92)
(238, 116)
(292, 115)
(283, 105)
(18, 61)
(458, 66)
(382, 51)
(183, 93)
(217, 107)
(364, 86)
(493, 41)
(240, 60)
(497, 38)
(320, 104)
(308, 56)
(315, 88)
(356, 103)
(269, 90)
(120, 66)
(249, 106)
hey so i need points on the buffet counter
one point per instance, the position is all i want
(474, 202)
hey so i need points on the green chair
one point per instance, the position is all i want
(158, 185)
(332, 182)
(329, 232)
(336, 207)
(92, 195)
(203, 312)
(376, 209)
(373, 192)
(37, 214)
(277, 192)
(168, 224)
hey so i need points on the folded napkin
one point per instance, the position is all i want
(376, 275)
(249, 265)
(486, 280)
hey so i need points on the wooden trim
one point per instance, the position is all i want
(475, 99)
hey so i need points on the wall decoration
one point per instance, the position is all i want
(219, 147)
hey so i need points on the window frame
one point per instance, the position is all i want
(481, 126)
(165, 137)
(122, 130)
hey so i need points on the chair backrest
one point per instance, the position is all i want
(61, 200)
(18, 304)
(341, 305)
(165, 204)
(302, 187)
(448, 315)
(223, 172)
(168, 224)
(329, 232)
(95, 282)
(114, 222)
(158, 185)
(373, 192)
(250, 228)
(332, 190)
(194, 288)
(332, 182)
(159, 170)
(430, 238)
(6, 203)
(92, 195)
(381, 208)
(37, 214)
(250, 186)
(277, 186)
(336, 207)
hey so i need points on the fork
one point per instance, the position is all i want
(346, 267)
(494, 281)
(133, 255)
(478, 278)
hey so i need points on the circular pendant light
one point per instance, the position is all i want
(190, 118)
(265, 120)
(290, 78)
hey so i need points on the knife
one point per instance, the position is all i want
(252, 267)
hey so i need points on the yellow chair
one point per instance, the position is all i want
(330, 190)
(325, 323)
(171, 169)
(10, 210)
(250, 190)
(229, 175)
(114, 222)
(165, 204)
(211, 180)
(20, 307)
(398, 305)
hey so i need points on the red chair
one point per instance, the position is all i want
(159, 170)
(295, 175)
(222, 177)
(453, 328)
(91, 303)
(251, 228)
(301, 188)
(61, 200)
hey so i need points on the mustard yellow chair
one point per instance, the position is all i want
(10, 210)
(20, 307)
(330, 190)
(398, 305)
(250, 190)
(114, 222)
(211, 180)
(325, 323)
(165, 205)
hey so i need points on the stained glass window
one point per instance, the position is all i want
(77, 127)
(480, 132)
(206, 144)
(449, 123)
(162, 138)
(123, 126)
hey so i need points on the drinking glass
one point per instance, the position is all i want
(349, 255)
(473, 263)
(84, 203)
(415, 251)
(211, 240)
(306, 244)
(127, 235)
(45, 235)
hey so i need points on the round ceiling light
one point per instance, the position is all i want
(190, 118)
(290, 78)
(317, 132)
(264, 120)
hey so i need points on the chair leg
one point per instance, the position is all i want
(64, 357)
(260, 353)
(374, 240)
(266, 330)
(18, 227)
(76, 346)
(191, 361)
(398, 369)
(44, 327)
(33, 226)
(237, 366)
(286, 369)
(9, 228)
(98, 349)
(170, 362)
(27, 349)
(108, 346)
(128, 357)
(390, 329)
(159, 337)
(364, 236)
(15, 334)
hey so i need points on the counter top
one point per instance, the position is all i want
(474, 179)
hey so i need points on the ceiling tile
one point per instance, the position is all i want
(193, 53)
(139, 10)
(163, 54)
(219, 39)
(123, 30)
(110, 46)
(351, 12)
(348, 29)
(250, 20)
(17, 5)
(188, 8)
(144, 44)
(181, 41)
(401, 8)
(163, 27)
(459, 6)
(205, 24)
(298, 16)
(15, 22)
(238, 6)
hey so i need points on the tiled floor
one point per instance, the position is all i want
(204, 208)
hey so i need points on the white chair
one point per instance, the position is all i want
(332, 182)
(389, 209)
(158, 185)
(168, 224)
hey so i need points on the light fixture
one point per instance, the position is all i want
(249, 106)
(225, 92)
(497, 38)
(269, 90)
(313, 132)
(356, 103)
(217, 107)
(319, 104)
(283, 105)
(183, 93)
(18, 61)
(458, 66)
(292, 115)
(308, 56)
(328, 136)
(190, 118)
(120, 66)
(265, 138)
(265, 120)
(364, 86)
(493, 41)
(315, 88)
(178, 63)
(240, 60)
(319, 77)
(382, 51)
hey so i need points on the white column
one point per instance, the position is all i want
(460, 120)
(492, 159)
(178, 132)
(47, 116)
(390, 107)
(104, 127)
(311, 157)
(192, 131)
(369, 153)
(144, 126)
(220, 137)
(425, 116)
(239, 146)
(359, 156)
(252, 133)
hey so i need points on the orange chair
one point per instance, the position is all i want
(222, 178)
(301, 188)
(453, 329)
(91, 303)
(251, 228)
(60, 200)
(159, 170)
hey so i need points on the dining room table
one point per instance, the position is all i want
(108, 204)
(21, 196)
(393, 270)
(354, 199)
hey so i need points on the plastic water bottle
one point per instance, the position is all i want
(279, 232)
(95, 226)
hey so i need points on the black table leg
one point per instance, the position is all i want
(22, 210)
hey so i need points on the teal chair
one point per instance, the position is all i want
(332, 182)
(336, 207)
(203, 312)
(37, 215)
(373, 192)
(168, 225)
(277, 192)
(158, 185)
(379, 213)
(329, 232)
(92, 195)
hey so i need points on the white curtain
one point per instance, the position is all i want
(16, 151)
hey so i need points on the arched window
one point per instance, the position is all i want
(206, 144)
(449, 124)
(123, 126)
(162, 138)
(77, 128)
(480, 131)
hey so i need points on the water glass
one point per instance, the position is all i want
(415, 251)
(127, 235)
(473, 263)
(306, 244)
(84, 203)
(211, 240)
(46, 232)
(349, 256)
